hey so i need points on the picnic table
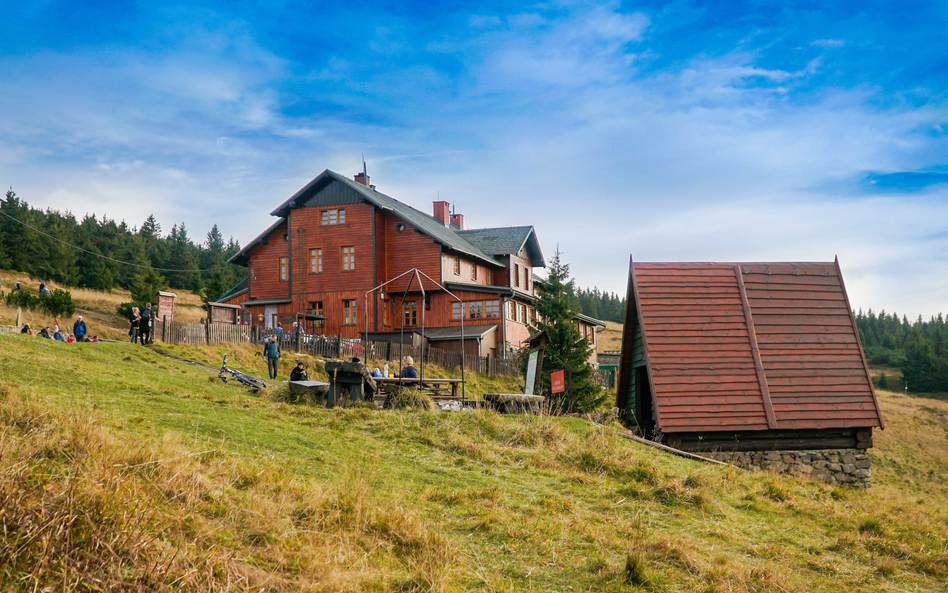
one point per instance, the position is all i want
(437, 387)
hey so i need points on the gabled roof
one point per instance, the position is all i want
(429, 225)
(743, 347)
(506, 241)
(241, 256)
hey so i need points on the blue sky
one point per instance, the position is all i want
(737, 131)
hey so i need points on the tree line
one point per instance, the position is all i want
(919, 350)
(601, 305)
(23, 249)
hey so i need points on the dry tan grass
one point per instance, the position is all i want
(82, 510)
(609, 339)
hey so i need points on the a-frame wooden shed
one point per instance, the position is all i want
(744, 357)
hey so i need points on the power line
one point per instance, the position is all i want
(112, 259)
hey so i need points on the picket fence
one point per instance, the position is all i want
(178, 332)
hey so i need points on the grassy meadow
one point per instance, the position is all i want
(124, 469)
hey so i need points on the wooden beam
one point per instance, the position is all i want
(752, 338)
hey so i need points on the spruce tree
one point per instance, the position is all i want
(567, 350)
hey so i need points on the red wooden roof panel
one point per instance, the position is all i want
(704, 363)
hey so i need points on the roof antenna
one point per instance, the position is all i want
(365, 177)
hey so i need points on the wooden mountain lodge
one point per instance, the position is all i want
(744, 357)
(338, 238)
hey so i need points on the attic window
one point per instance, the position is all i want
(334, 216)
(286, 236)
(400, 227)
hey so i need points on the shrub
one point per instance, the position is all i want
(883, 382)
(58, 302)
(23, 299)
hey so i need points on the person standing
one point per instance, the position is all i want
(16, 286)
(144, 324)
(133, 320)
(272, 353)
(79, 329)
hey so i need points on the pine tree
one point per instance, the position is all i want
(567, 350)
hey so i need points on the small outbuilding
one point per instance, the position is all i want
(733, 358)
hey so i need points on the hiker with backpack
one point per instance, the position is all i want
(144, 324)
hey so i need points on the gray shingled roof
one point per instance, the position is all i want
(425, 223)
(504, 240)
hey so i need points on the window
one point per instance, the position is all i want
(348, 259)
(510, 310)
(334, 217)
(384, 313)
(410, 313)
(475, 310)
(282, 269)
(457, 266)
(349, 312)
(315, 261)
(528, 281)
(521, 313)
(474, 272)
(516, 275)
(317, 308)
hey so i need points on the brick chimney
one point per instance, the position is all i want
(361, 178)
(458, 220)
(442, 211)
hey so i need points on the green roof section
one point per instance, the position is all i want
(239, 288)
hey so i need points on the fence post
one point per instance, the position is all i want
(164, 329)
(299, 340)
(339, 346)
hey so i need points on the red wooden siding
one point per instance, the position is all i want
(265, 268)
(409, 249)
(734, 347)
(356, 232)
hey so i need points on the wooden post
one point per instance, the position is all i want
(339, 346)
(164, 329)
(207, 332)
(299, 340)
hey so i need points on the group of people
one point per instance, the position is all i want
(140, 321)
(80, 332)
(272, 354)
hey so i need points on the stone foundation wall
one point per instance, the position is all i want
(851, 467)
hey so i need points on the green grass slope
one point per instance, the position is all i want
(123, 469)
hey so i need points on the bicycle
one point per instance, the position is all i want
(246, 380)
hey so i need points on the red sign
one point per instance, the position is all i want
(558, 382)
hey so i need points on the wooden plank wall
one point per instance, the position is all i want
(265, 267)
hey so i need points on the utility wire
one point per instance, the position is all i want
(112, 259)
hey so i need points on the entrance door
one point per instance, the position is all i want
(270, 316)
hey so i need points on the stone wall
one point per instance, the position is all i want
(836, 466)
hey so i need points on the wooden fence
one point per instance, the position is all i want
(177, 332)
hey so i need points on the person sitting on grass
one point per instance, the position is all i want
(299, 373)
(44, 333)
(408, 369)
(27, 329)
